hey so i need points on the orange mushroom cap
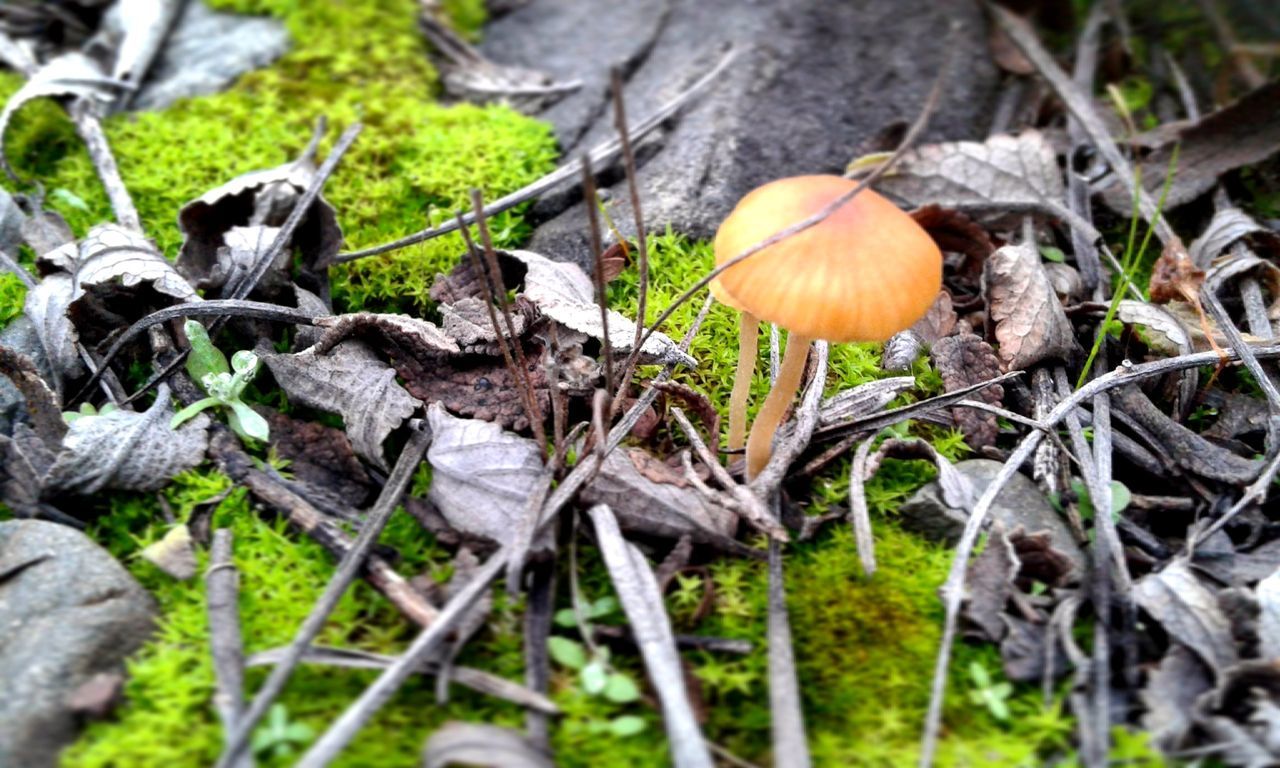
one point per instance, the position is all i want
(864, 273)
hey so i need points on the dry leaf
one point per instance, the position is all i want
(174, 554)
(1189, 612)
(482, 475)
(1167, 334)
(46, 306)
(1228, 226)
(989, 585)
(320, 457)
(350, 381)
(1029, 322)
(652, 499)
(1241, 134)
(71, 74)
(481, 744)
(396, 336)
(1005, 173)
(563, 292)
(902, 349)
(127, 450)
(479, 386)
(962, 361)
(467, 322)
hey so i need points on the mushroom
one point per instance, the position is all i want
(863, 273)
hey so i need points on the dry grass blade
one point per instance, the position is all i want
(641, 600)
(222, 583)
(642, 239)
(347, 571)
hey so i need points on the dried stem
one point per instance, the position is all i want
(222, 584)
(597, 252)
(642, 241)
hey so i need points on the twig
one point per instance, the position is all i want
(642, 240)
(346, 572)
(538, 616)
(748, 504)
(597, 252)
(104, 162)
(859, 516)
(222, 584)
(790, 747)
(601, 155)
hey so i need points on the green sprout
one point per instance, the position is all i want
(992, 695)
(87, 411)
(224, 384)
(277, 737)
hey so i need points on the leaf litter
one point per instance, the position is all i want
(1199, 615)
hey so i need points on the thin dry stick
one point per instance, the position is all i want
(922, 120)
(489, 289)
(495, 274)
(751, 506)
(602, 154)
(222, 584)
(597, 251)
(953, 588)
(859, 517)
(346, 573)
(790, 747)
(642, 241)
(342, 730)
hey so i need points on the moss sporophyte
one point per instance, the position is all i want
(864, 647)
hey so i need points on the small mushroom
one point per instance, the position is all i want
(863, 273)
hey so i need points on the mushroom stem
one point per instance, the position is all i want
(760, 443)
(748, 349)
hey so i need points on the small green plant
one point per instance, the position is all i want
(223, 384)
(1120, 498)
(988, 693)
(277, 737)
(87, 411)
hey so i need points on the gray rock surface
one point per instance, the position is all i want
(1020, 503)
(68, 612)
(206, 51)
(811, 82)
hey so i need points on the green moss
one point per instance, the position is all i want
(414, 163)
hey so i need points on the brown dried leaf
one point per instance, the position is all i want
(1040, 560)
(1029, 322)
(1004, 173)
(479, 386)
(42, 404)
(1229, 226)
(1170, 695)
(1167, 333)
(468, 323)
(1175, 277)
(615, 259)
(1240, 134)
(120, 277)
(352, 382)
(989, 585)
(263, 198)
(962, 361)
(956, 232)
(320, 457)
(399, 337)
